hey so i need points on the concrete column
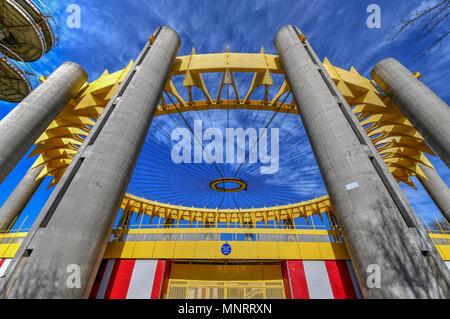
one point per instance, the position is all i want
(23, 125)
(19, 198)
(424, 109)
(388, 263)
(437, 189)
(61, 255)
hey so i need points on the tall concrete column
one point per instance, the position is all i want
(378, 239)
(424, 109)
(61, 255)
(28, 120)
(437, 189)
(19, 198)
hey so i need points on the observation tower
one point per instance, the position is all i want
(226, 176)
(27, 32)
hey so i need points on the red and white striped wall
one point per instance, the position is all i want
(144, 279)
(129, 279)
(4, 263)
(320, 279)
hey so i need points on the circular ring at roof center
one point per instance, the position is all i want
(240, 185)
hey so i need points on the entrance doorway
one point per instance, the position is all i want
(225, 281)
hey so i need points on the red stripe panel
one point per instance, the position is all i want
(287, 285)
(120, 279)
(340, 280)
(166, 278)
(299, 286)
(158, 281)
(2, 261)
(98, 280)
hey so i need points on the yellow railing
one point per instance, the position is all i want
(272, 234)
(184, 241)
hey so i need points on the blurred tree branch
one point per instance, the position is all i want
(430, 21)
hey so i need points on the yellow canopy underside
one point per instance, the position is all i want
(398, 142)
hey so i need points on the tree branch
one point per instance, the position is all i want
(437, 42)
(432, 18)
(416, 17)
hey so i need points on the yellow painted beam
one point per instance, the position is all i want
(212, 250)
(257, 250)
(220, 62)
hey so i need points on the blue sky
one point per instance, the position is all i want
(114, 31)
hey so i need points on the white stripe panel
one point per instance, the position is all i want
(448, 264)
(316, 274)
(4, 267)
(105, 280)
(355, 283)
(141, 283)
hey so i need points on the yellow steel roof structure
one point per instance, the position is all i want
(141, 206)
(398, 142)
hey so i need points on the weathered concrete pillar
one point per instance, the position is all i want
(389, 263)
(19, 198)
(28, 120)
(62, 253)
(437, 189)
(424, 109)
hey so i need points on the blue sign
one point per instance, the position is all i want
(226, 249)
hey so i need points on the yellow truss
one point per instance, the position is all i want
(62, 139)
(398, 142)
(318, 206)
